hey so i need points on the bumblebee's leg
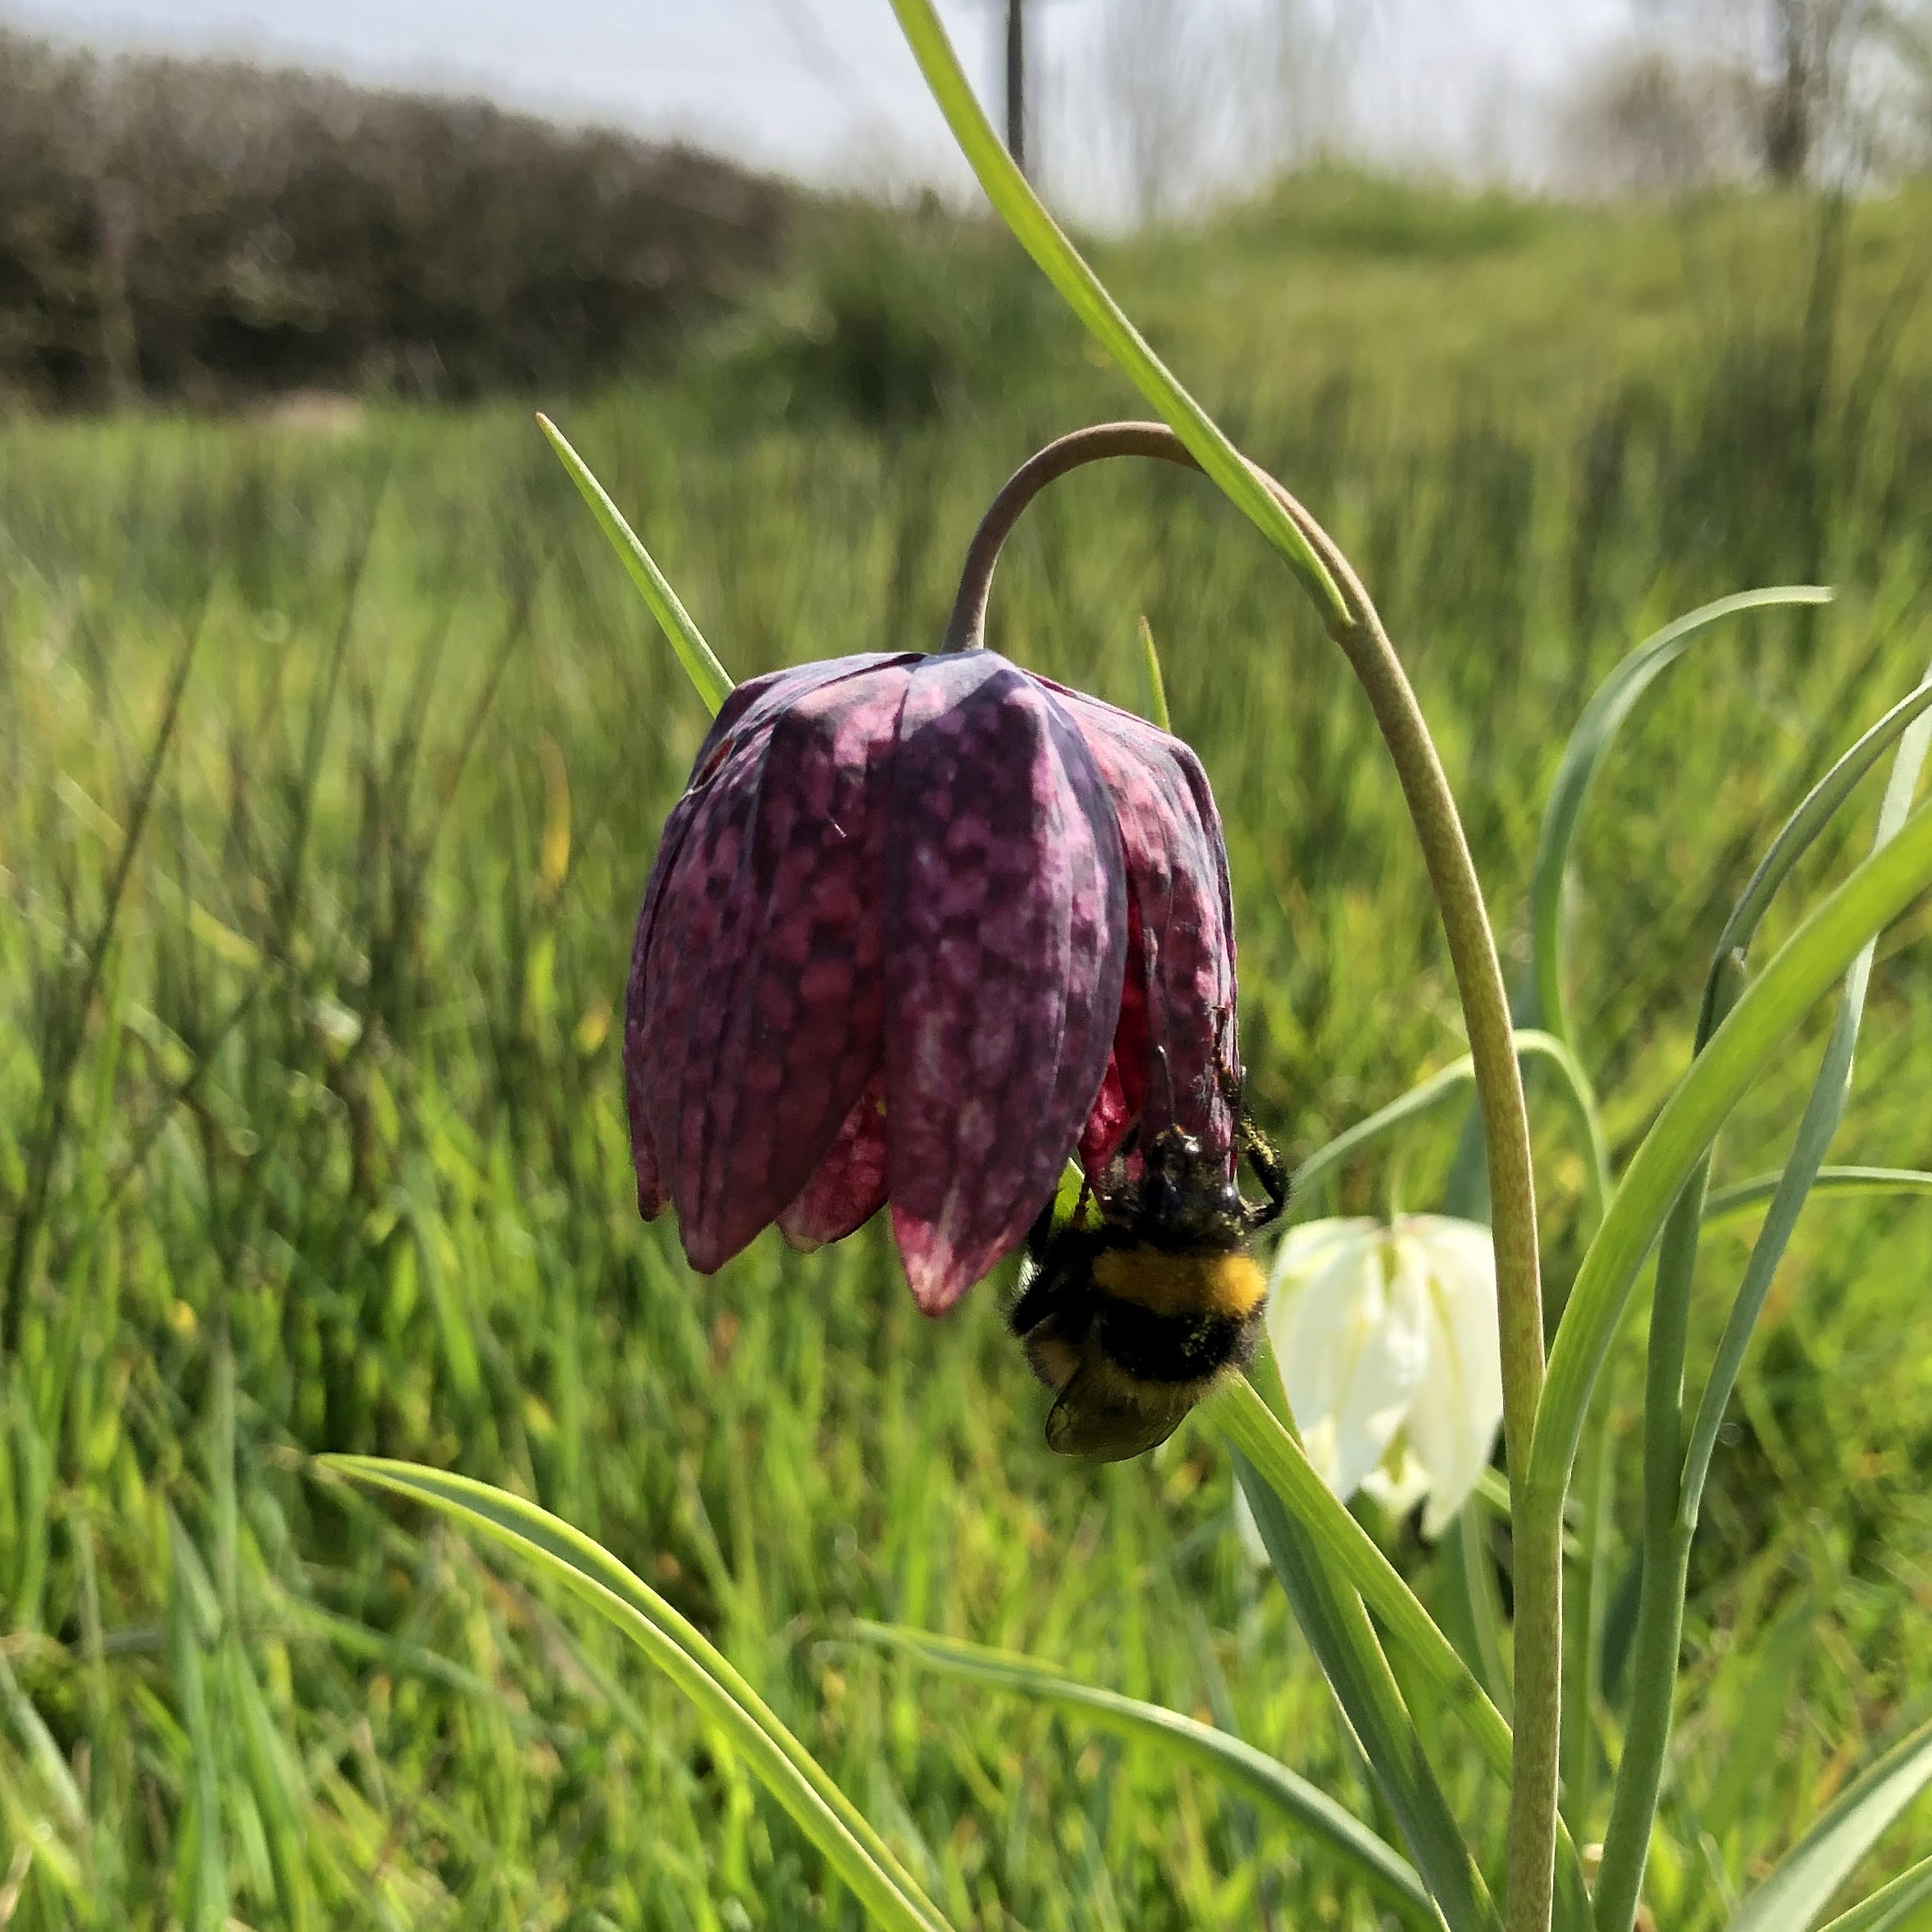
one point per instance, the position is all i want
(1266, 1166)
(1041, 1234)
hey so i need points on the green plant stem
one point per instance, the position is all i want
(1537, 1522)
(1352, 622)
(1666, 1559)
(1804, 967)
(1673, 1479)
(1357, 628)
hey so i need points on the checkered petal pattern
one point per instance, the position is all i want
(919, 929)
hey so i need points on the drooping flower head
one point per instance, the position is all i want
(919, 930)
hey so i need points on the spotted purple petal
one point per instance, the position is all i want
(756, 996)
(1004, 942)
(1175, 1054)
(848, 1186)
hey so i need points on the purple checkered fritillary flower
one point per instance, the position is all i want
(920, 930)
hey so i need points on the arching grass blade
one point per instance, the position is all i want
(1603, 716)
(1260, 1779)
(1801, 830)
(851, 1848)
(1446, 1084)
(1804, 1881)
(1328, 1536)
(1808, 963)
(1338, 1631)
(1891, 1905)
(1747, 1197)
(1040, 236)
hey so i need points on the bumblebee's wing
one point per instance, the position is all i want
(1101, 1419)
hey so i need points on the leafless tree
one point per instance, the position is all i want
(1157, 79)
(1301, 75)
(1647, 121)
(1823, 76)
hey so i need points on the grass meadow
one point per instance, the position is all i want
(333, 753)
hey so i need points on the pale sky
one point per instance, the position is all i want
(825, 89)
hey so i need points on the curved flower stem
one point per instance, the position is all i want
(1537, 1518)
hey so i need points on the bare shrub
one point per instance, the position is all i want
(208, 228)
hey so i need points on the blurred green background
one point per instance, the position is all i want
(334, 747)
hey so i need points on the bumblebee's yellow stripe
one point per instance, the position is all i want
(1232, 1285)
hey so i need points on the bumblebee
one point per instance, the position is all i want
(1133, 1310)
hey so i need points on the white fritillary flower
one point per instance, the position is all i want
(1386, 1340)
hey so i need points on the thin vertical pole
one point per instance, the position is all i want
(1016, 82)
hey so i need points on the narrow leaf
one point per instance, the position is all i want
(709, 677)
(1445, 1085)
(1038, 234)
(1156, 684)
(1804, 967)
(565, 1556)
(1891, 1905)
(1610, 705)
(1747, 1197)
(1816, 811)
(1336, 1542)
(1244, 1417)
(1338, 1631)
(1254, 1774)
(1801, 1884)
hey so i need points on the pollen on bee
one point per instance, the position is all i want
(1231, 1285)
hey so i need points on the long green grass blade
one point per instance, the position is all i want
(1040, 236)
(1258, 1777)
(1891, 1905)
(1804, 967)
(1336, 1542)
(272, 1778)
(853, 1850)
(1446, 1085)
(1610, 705)
(1344, 1642)
(710, 679)
(1804, 1881)
(1801, 830)
(1240, 1411)
(1157, 708)
(1824, 1109)
(43, 1752)
(1747, 1197)
(209, 1893)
